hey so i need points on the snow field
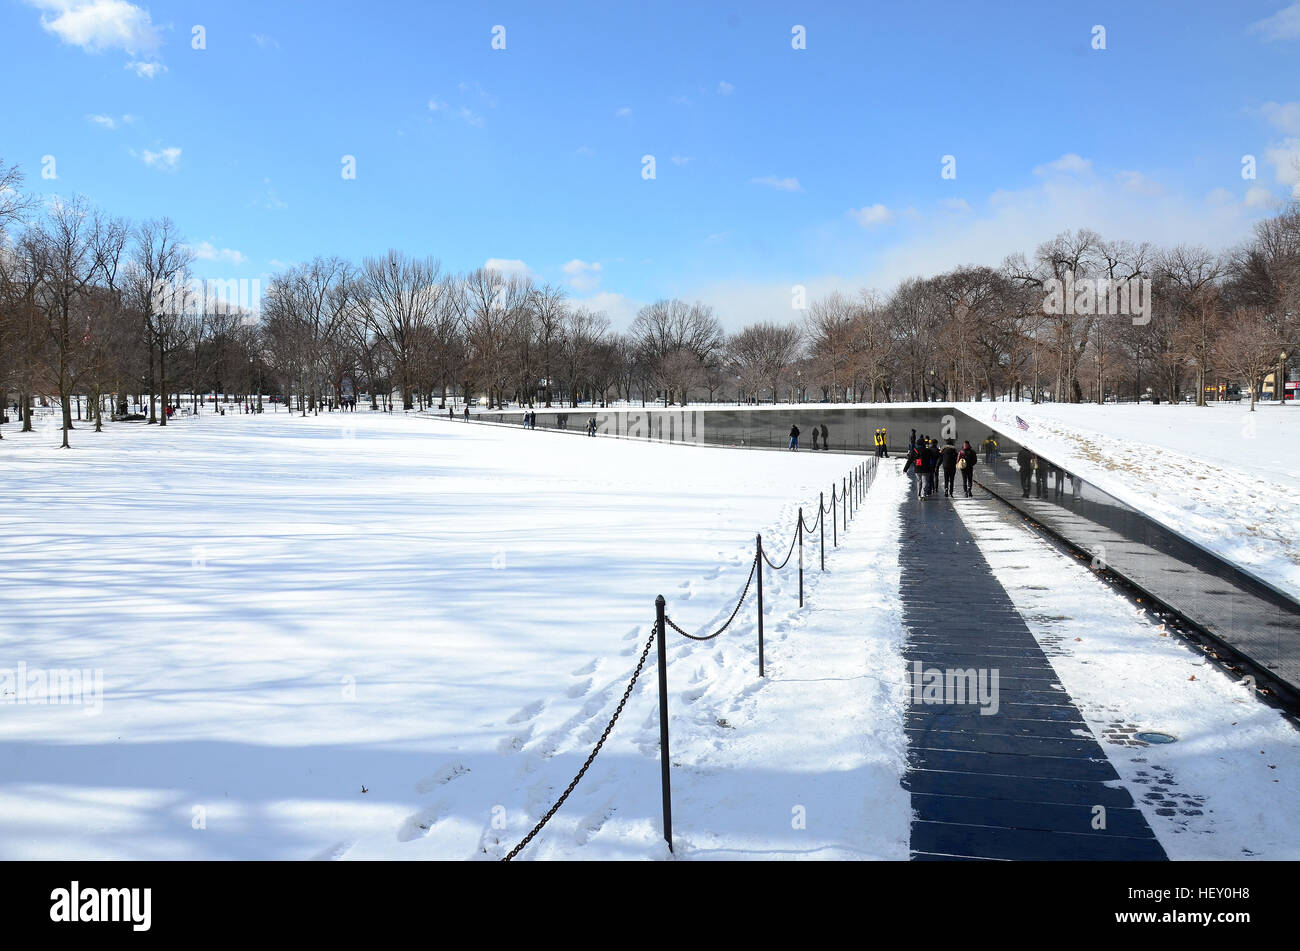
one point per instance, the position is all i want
(289, 611)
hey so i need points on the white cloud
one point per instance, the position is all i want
(623, 112)
(146, 69)
(1008, 222)
(782, 184)
(108, 122)
(1257, 196)
(206, 251)
(477, 89)
(620, 310)
(725, 88)
(1285, 158)
(1069, 163)
(1284, 115)
(99, 25)
(165, 159)
(584, 150)
(583, 276)
(1137, 182)
(1283, 25)
(460, 112)
(955, 204)
(507, 266)
(266, 42)
(681, 159)
(872, 215)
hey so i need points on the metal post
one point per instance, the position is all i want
(821, 524)
(664, 781)
(800, 532)
(759, 569)
(835, 520)
(844, 491)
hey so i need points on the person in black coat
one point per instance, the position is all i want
(931, 456)
(794, 438)
(1025, 462)
(826, 437)
(969, 456)
(912, 467)
(948, 459)
(1040, 476)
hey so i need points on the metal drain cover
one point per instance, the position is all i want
(1152, 736)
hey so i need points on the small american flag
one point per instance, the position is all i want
(1021, 423)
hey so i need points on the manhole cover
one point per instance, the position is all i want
(1151, 736)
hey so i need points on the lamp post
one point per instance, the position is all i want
(1281, 379)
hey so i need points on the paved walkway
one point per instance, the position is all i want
(1019, 783)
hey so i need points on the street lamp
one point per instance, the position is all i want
(1281, 379)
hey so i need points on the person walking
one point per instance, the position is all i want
(794, 438)
(816, 433)
(912, 468)
(948, 459)
(931, 456)
(911, 443)
(884, 443)
(467, 412)
(966, 465)
(826, 437)
(1024, 461)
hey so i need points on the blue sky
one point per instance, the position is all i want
(774, 166)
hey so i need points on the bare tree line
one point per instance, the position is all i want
(82, 324)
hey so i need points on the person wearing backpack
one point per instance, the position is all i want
(948, 459)
(966, 465)
(912, 467)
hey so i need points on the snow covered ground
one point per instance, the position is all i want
(1224, 477)
(367, 636)
(1227, 788)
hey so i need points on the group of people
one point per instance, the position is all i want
(819, 433)
(1034, 473)
(926, 459)
(882, 442)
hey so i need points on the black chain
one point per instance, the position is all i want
(813, 526)
(744, 594)
(793, 541)
(601, 742)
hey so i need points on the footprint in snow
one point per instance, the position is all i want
(419, 823)
(577, 690)
(588, 668)
(442, 777)
(334, 852)
(528, 712)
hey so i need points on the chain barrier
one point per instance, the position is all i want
(599, 743)
(744, 594)
(755, 571)
(793, 541)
